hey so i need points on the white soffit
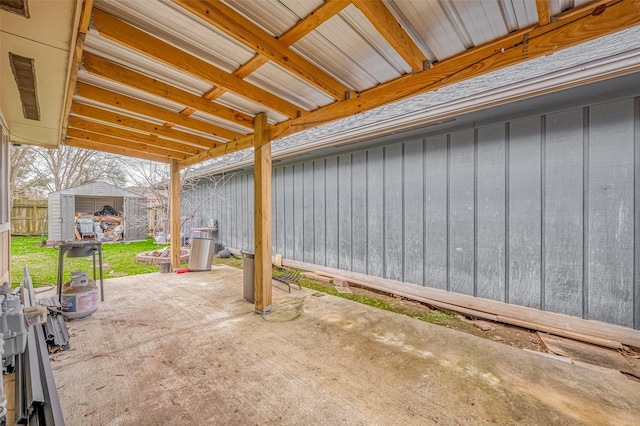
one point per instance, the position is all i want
(46, 37)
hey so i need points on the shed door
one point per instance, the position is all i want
(135, 218)
(67, 216)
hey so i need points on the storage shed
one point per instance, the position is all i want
(91, 198)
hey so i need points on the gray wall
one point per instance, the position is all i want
(542, 211)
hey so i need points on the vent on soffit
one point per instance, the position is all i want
(25, 74)
(19, 7)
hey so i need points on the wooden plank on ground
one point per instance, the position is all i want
(587, 353)
(506, 312)
(317, 277)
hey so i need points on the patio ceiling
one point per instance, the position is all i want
(184, 80)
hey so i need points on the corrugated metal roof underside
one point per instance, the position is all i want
(538, 72)
(347, 46)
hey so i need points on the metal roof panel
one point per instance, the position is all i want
(348, 47)
(108, 49)
(343, 67)
(271, 15)
(176, 26)
(112, 86)
(481, 20)
(433, 30)
(237, 102)
(277, 80)
(525, 11)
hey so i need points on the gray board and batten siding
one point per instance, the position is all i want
(542, 211)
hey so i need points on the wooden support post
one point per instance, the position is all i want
(174, 214)
(262, 214)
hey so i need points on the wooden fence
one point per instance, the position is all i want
(27, 217)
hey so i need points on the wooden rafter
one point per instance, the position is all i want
(122, 143)
(517, 47)
(544, 12)
(150, 110)
(117, 132)
(141, 125)
(112, 71)
(148, 45)
(323, 13)
(227, 148)
(320, 15)
(85, 19)
(387, 25)
(251, 35)
(85, 144)
(568, 29)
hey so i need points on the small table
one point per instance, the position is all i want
(80, 248)
(204, 232)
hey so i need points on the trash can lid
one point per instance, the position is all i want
(247, 253)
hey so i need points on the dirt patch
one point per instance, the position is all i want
(503, 333)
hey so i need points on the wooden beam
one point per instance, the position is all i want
(174, 214)
(148, 45)
(95, 146)
(117, 132)
(150, 110)
(517, 47)
(323, 13)
(83, 27)
(251, 35)
(141, 125)
(227, 148)
(590, 7)
(320, 15)
(544, 12)
(112, 71)
(389, 27)
(262, 215)
(122, 143)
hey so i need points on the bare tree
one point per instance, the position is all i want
(149, 179)
(37, 171)
(23, 183)
(152, 180)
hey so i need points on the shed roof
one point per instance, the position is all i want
(97, 189)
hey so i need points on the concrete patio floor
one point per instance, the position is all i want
(166, 349)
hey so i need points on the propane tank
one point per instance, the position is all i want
(79, 296)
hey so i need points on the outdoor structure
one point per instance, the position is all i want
(67, 204)
(182, 82)
(531, 203)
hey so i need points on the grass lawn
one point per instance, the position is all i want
(119, 259)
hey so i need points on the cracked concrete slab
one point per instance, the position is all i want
(188, 349)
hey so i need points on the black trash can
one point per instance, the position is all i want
(248, 284)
